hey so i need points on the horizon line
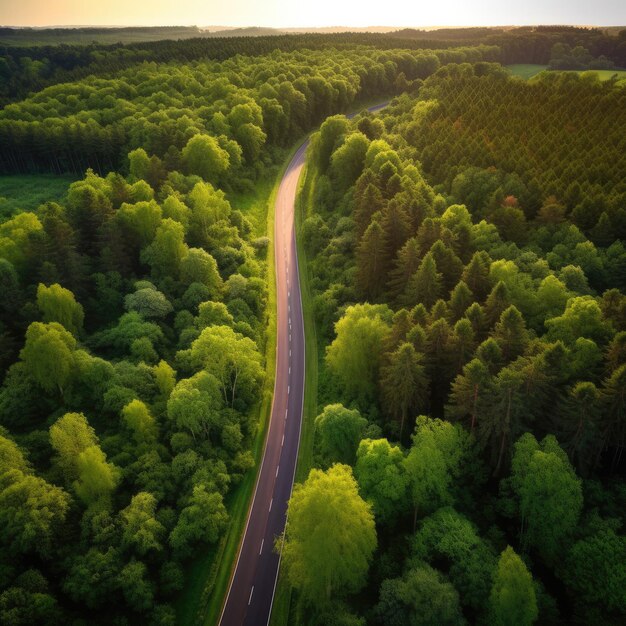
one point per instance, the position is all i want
(239, 27)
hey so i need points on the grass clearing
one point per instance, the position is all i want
(26, 192)
(528, 71)
(604, 75)
(525, 70)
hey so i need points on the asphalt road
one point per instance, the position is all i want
(252, 586)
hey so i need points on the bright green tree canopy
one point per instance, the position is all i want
(330, 536)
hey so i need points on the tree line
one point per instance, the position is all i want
(531, 44)
(31, 68)
(26, 68)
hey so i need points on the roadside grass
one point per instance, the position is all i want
(208, 577)
(26, 192)
(525, 70)
(255, 205)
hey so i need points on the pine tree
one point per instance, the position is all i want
(371, 262)
(476, 275)
(511, 333)
(448, 264)
(578, 425)
(404, 383)
(476, 315)
(463, 343)
(395, 222)
(401, 326)
(431, 231)
(460, 299)
(425, 285)
(497, 302)
(406, 264)
(470, 393)
(366, 204)
(502, 422)
(614, 390)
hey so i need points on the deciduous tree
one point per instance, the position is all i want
(204, 156)
(512, 600)
(338, 432)
(381, 474)
(330, 536)
(59, 305)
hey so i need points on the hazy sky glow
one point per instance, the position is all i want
(283, 13)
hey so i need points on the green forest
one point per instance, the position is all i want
(467, 269)
(465, 253)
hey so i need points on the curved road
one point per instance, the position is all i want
(252, 586)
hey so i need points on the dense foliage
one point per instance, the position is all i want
(531, 44)
(552, 148)
(472, 326)
(243, 102)
(134, 317)
(122, 431)
(468, 272)
(25, 67)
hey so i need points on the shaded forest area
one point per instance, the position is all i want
(467, 262)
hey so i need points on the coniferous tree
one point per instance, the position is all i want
(460, 299)
(476, 275)
(406, 263)
(372, 262)
(425, 286)
(404, 383)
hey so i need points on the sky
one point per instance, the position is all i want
(284, 13)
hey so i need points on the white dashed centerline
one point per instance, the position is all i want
(262, 542)
(251, 592)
